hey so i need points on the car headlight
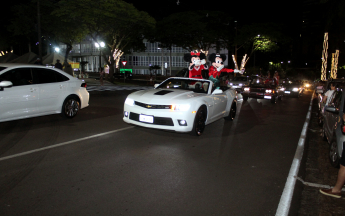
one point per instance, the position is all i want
(240, 84)
(129, 102)
(246, 89)
(180, 107)
(295, 89)
(282, 89)
(230, 83)
(307, 85)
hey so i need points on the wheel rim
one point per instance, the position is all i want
(200, 122)
(71, 107)
(333, 152)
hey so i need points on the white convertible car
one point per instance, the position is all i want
(180, 104)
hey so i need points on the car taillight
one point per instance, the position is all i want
(83, 85)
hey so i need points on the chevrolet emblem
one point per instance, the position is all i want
(148, 106)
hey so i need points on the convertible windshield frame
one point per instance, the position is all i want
(195, 85)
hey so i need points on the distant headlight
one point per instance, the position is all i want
(246, 89)
(180, 107)
(230, 83)
(129, 102)
(307, 85)
(268, 91)
(295, 89)
(282, 89)
(240, 84)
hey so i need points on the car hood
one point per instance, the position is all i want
(164, 96)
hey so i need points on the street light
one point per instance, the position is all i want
(162, 60)
(100, 46)
(57, 49)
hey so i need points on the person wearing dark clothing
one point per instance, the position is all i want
(58, 64)
(38, 61)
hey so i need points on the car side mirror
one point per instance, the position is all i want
(217, 91)
(332, 109)
(5, 84)
(156, 85)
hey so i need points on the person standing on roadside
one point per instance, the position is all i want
(101, 75)
(328, 95)
(58, 64)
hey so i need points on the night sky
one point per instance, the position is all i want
(243, 11)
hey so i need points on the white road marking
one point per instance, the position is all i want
(64, 143)
(285, 199)
(315, 184)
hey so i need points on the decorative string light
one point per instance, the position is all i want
(334, 68)
(324, 57)
(244, 61)
(235, 62)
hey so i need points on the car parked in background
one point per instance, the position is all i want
(333, 129)
(127, 74)
(238, 82)
(261, 88)
(34, 90)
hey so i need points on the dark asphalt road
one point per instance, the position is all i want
(234, 168)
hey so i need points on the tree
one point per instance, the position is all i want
(263, 37)
(54, 30)
(192, 30)
(119, 24)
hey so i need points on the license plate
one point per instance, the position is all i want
(287, 92)
(267, 97)
(145, 118)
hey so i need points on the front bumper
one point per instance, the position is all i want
(165, 119)
(259, 95)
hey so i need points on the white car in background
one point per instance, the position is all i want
(180, 104)
(28, 90)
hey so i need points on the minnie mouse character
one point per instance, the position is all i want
(217, 61)
(197, 63)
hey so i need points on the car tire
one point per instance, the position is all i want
(199, 121)
(70, 107)
(333, 153)
(232, 112)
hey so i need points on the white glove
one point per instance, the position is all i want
(197, 62)
(220, 68)
(237, 71)
(203, 61)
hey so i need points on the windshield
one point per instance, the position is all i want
(198, 86)
(240, 79)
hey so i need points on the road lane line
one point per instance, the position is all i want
(285, 199)
(64, 143)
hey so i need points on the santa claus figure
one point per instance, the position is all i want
(217, 67)
(197, 63)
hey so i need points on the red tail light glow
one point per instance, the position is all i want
(83, 85)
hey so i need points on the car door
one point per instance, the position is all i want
(20, 100)
(52, 88)
(219, 103)
(330, 117)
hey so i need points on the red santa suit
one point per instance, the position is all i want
(213, 71)
(195, 72)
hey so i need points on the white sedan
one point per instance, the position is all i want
(180, 104)
(33, 90)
